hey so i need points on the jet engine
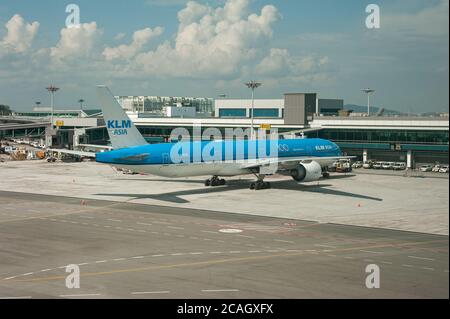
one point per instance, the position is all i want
(307, 172)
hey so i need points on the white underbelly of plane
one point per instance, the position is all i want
(184, 170)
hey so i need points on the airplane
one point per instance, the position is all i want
(305, 159)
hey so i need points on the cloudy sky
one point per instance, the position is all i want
(205, 48)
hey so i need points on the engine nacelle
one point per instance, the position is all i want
(307, 172)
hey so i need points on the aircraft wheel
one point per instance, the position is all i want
(208, 182)
(215, 182)
(252, 185)
(222, 182)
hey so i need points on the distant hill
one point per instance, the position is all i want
(373, 109)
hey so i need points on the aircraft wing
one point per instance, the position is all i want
(293, 161)
(70, 152)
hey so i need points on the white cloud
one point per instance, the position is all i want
(19, 36)
(429, 21)
(119, 36)
(140, 39)
(279, 62)
(76, 42)
(210, 41)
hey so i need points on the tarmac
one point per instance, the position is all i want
(142, 236)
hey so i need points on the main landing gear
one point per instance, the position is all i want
(215, 181)
(260, 184)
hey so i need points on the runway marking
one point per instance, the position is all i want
(209, 231)
(216, 252)
(83, 264)
(79, 295)
(254, 251)
(406, 265)
(147, 224)
(217, 261)
(164, 223)
(100, 261)
(114, 220)
(246, 236)
(428, 268)
(235, 252)
(12, 277)
(371, 251)
(175, 227)
(18, 297)
(150, 292)
(284, 241)
(422, 258)
(177, 254)
(220, 290)
(119, 259)
(48, 269)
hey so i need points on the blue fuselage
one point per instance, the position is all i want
(218, 151)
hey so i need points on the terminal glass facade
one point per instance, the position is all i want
(385, 136)
(156, 104)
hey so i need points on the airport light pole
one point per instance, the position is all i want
(81, 101)
(52, 89)
(368, 92)
(252, 85)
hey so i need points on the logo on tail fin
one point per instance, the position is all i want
(118, 127)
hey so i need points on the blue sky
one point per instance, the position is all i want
(206, 48)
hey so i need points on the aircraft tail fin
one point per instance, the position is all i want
(122, 131)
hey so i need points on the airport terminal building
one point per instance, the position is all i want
(414, 140)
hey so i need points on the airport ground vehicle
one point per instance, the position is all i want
(399, 166)
(10, 149)
(377, 165)
(426, 168)
(357, 164)
(368, 164)
(443, 169)
(436, 168)
(343, 166)
(387, 165)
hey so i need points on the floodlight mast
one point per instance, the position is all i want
(368, 91)
(252, 85)
(52, 89)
